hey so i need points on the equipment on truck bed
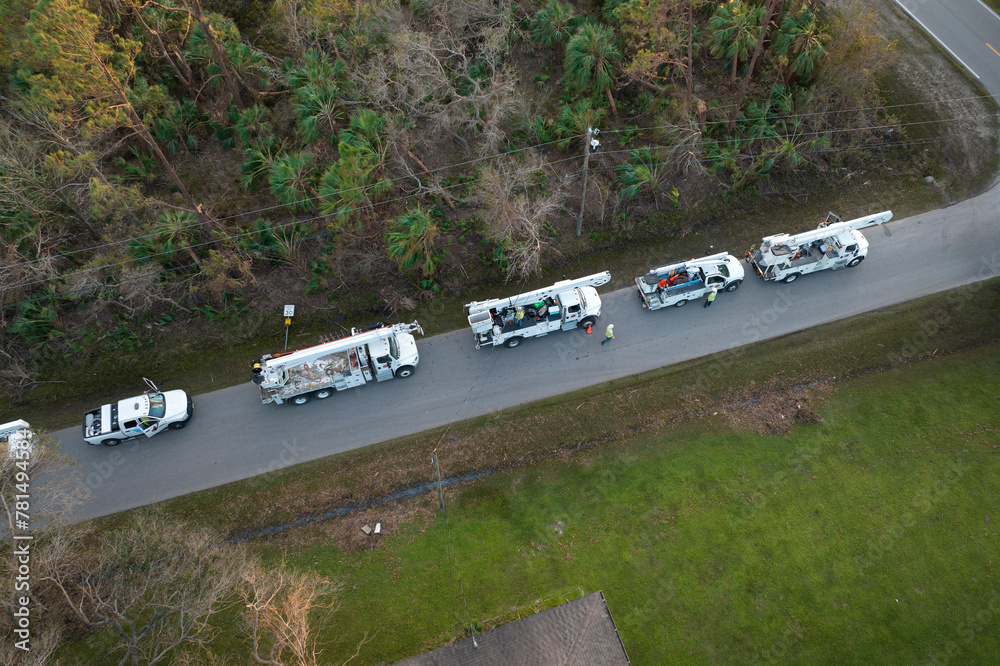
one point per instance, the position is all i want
(377, 353)
(566, 304)
(676, 284)
(834, 244)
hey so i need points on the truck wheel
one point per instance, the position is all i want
(404, 371)
(588, 321)
(179, 425)
(112, 442)
(512, 342)
(681, 303)
(791, 278)
(323, 394)
(733, 286)
(300, 399)
(855, 261)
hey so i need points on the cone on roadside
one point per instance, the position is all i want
(590, 329)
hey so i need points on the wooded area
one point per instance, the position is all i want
(164, 162)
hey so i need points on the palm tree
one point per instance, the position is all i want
(590, 60)
(350, 185)
(800, 44)
(733, 32)
(573, 121)
(258, 158)
(410, 240)
(645, 168)
(173, 233)
(553, 23)
(291, 180)
(318, 110)
(252, 123)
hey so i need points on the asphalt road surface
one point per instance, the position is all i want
(967, 29)
(233, 436)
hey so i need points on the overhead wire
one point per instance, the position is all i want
(389, 201)
(171, 269)
(526, 148)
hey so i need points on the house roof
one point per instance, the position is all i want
(577, 633)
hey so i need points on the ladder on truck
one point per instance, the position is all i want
(671, 269)
(273, 362)
(826, 230)
(479, 311)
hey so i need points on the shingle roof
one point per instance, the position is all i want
(577, 633)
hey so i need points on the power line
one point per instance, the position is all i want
(46, 297)
(398, 199)
(532, 147)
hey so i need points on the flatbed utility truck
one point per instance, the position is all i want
(834, 244)
(509, 321)
(676, 284)
(377, 353)
(18, 438)
(141, 416)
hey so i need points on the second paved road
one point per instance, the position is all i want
(968, 29)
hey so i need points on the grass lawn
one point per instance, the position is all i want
(870, 537)
(712, 543)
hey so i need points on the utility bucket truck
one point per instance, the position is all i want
(676, 284)
(834, 244)
(377, 353)
(566, 304)
(141, 416)
(17, 437)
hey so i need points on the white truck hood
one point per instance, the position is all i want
(407, 349)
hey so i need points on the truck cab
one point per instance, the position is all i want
(140, 416)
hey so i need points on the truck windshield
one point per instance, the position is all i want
(393, 350)
(157, 405)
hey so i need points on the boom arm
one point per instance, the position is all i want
(595, 280)
(833, 229)
(710, 260)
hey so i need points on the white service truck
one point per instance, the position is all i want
(377, 353)
(18, 438)
(676, 284)
(834, 244)
(509, 321)
(141, 416)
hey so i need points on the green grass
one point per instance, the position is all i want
(712, 543)
(850, 541)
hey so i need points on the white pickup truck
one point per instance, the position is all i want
(141, 416)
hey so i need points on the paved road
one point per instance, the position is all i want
(967, 29)
(233, 436)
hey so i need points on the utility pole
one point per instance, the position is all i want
(590, 145)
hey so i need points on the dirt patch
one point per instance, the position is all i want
(770, 411)
(346, 532)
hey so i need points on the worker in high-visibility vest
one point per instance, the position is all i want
(711, 296)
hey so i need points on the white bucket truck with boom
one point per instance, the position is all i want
(676, 284)
(834, 244)
(566, 304)
(377, 353)
(18, 438)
